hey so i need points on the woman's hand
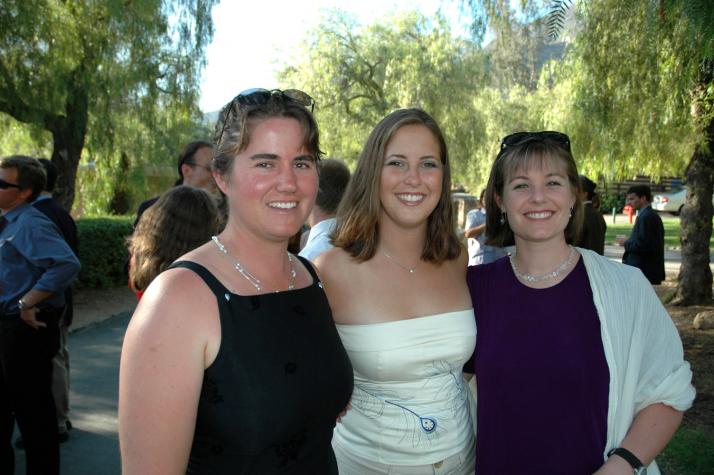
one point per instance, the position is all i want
(615, 465)
(344, 411)
(651, 430)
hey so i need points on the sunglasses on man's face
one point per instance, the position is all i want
(5, 185)
(259, 96)
(521, 137)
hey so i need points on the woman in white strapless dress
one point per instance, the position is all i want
(396, 284)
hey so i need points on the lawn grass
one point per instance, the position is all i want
(690, 452)
(671, 230)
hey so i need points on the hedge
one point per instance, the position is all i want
(102, 251)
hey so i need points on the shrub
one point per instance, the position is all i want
(102, 251)
(611, 200)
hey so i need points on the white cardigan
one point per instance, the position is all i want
(642, 347)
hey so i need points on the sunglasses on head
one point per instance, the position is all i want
(5, 185)
(260, 96)
(521, 137)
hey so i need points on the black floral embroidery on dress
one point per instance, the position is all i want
(289, 451)
(254, 302)
(290, 367)
(299, 310)
(217, 448)
(210, 392)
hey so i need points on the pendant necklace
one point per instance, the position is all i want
(255, 282)
(411, 270)
(548, 275)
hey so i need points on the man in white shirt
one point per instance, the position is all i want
(334, 177)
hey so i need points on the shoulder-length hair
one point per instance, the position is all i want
(535, 151)
(357, 228)
(182, 219)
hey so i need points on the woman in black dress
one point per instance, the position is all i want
(231, 363)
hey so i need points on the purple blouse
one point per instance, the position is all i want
(541, 375)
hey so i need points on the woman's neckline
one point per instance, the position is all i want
(409, 319)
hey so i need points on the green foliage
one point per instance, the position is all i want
(103, 251)
(358, 74)
(690, 452)
(612, 200)
(630, 77)
(108, 78)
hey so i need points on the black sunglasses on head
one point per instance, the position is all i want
(521, 137)
(259, 96)
(5, 185)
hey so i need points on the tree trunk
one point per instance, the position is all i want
(695, 276)
(68, 134)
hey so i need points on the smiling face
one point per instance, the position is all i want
(537, 199)
(272, 183)
(411, 177)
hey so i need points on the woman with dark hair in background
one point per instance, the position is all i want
(181, 220)
(578, 366)
(231, 363)
(396, 284)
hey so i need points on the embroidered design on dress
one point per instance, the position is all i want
(420, 427)
(415, 424)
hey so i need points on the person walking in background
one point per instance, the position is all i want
(644, 248)
(194, 169)
(231, 363)
(60, 363)
(592, 235)
(36, 265)
(334, 177)
(479, 251)
(576, 360)
(396, 285)
(181, 220)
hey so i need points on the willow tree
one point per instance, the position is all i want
(80, 67)
(358, 74)
(644, 90)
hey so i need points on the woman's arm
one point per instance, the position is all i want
(161, 372)
(475, 231)
(651, 430)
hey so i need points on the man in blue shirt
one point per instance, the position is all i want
(36, 265)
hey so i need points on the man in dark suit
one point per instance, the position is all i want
(592, 235)
(645, 247)
(51, 208)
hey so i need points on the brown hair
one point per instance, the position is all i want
(182, 219)
(334, 178)
(532, 151)
(357, 230)
(236, 122)
(31, 174)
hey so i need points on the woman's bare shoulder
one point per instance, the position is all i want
(333, 261)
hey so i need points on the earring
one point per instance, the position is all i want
(503, 218)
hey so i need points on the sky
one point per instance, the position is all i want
(253, 39)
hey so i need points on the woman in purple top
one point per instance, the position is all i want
(571, 377)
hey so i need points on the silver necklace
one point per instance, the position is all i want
(548, 275)
(250, 277)
(411, 270)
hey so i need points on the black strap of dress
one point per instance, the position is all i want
(210, 280)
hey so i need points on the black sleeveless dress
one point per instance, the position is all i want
(269, 401)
